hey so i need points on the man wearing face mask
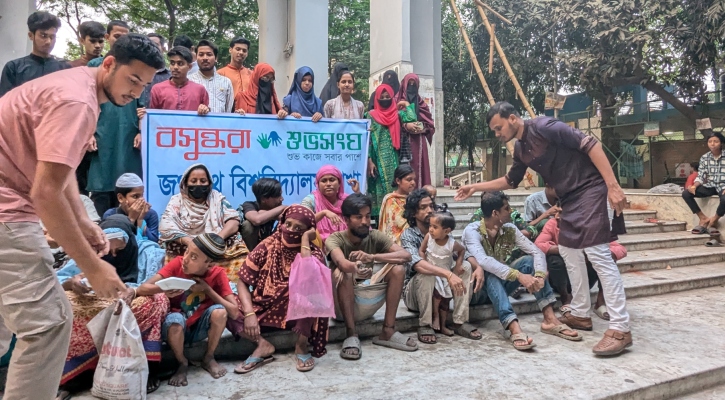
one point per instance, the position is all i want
(353, 254)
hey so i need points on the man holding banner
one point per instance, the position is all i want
(44, 128)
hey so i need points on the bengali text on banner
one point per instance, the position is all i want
(238, 150)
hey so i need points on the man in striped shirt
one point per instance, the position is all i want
(220, 89)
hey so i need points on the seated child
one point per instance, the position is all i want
(201, 311)
(437, 248)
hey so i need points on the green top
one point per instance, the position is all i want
(385, 157)
(117, 127)
(517, 220)
(375, 243)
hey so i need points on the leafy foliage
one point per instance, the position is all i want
(349, 32)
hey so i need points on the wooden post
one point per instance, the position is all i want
(472, 54)
(501, 54)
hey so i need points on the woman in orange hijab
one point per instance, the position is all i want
(259, 97)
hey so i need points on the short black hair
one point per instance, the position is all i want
(116, 22)
(156, 35)
(183, 41)
(446, 219)
(135, 46)
(207, 43)
(94, 29)
(695, 166)
(42, 20)
(345, 72)
(182, 52)
(504, 109)
(122, 191)
(239, 40)
(265, 188)
(492, 201)
(354, 203)
(719, 137)
(412, 203)
(401, 172)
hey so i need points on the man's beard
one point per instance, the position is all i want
(108, 93)
(361, 232)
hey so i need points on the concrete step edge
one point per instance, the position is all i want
(675, 388)
(230, 349)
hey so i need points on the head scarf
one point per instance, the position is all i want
(212, 245)
(255, 99)
(330, 90)
(387, 117)
(183, 186)
(421, 108)
(129, 180)
(303, 214)
(126, 260)
(183, 217)
(324, 227)
(299, 101)
(390, 78)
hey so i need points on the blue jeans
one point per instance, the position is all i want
(499, 290)
(194, 333)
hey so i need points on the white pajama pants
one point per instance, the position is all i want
(601, 258)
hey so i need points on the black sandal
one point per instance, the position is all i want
(153, 384)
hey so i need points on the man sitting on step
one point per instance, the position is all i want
(353, 254)
(540, 207)
(492, 242)
(421, 276)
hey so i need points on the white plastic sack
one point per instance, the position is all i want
(122, 371)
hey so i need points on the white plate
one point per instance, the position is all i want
(175, 283)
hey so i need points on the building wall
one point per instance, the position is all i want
(14, 29)
(673, 153)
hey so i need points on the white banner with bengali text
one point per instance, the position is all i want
(238, 150)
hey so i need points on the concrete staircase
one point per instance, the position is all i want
(662, 259)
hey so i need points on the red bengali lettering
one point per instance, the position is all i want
(239, 139)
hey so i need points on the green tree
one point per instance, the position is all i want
(216, 20)
(349, 32)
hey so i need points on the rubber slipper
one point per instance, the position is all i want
(63, 395)
(699, 230)
(523, 337)
(427, 331)
(602, 313)
(153, 385)
(556, 331)
(398, 342)
(304, 358)
(466, 330)
(257, 361)
(713, 243)
(713, 231)
(353, 342)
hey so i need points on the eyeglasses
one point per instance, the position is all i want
(266, 79)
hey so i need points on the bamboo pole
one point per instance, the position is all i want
(501, 54)
(472, 54)
(501, 17)
(490, 52)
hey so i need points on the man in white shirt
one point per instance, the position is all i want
(220, 89)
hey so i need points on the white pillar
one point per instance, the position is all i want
(292, 34)
(14, 29)
(405, 36)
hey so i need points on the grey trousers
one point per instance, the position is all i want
(34, 306)
(418, 296)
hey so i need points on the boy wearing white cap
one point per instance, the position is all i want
(131, 203)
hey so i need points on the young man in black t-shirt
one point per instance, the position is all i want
(260, 217)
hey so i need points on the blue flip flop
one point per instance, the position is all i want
(304, 358)
(257, 361)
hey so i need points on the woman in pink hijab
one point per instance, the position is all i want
(327, 200)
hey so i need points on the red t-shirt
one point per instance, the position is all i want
(193, 305)
(690, 180)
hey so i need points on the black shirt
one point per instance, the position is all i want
(24, 69)
(265, 230)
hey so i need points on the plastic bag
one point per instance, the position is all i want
(122, 371)
(310, 290)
